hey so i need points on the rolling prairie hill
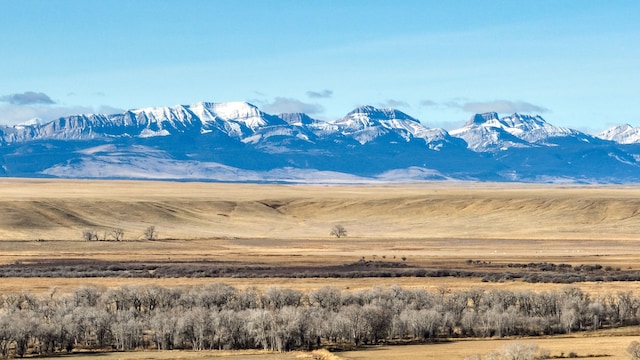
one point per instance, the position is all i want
(62, 209)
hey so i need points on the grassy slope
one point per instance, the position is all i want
(58, 209)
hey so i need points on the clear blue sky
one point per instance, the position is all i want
(576, 63)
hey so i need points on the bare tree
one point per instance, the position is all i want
(327, 297)
(164, 327)
(354, 323)
(195, 326)
(6, 336)
(277, 298)
(117, 233)
(150, 233)
(377, 322)
(568, 318)
(21, 328)
(338, 231)
(89, 235)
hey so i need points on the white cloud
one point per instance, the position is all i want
(289, 105)
(503, 106)
(320, 94)
(499, 106)
(27, 98)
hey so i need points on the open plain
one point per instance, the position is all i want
(474, 227)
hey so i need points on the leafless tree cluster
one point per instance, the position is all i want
(514, 351)
(116, 234)
(218, 316)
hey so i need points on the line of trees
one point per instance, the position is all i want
(116, 234)
(218, 316)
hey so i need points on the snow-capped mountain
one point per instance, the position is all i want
(236, 141)
(488, 132)
(535, 129)
(622, 134)
(485, 132)
(365, 124)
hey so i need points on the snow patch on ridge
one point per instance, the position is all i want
(622, 134)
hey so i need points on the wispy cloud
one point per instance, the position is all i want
(320, 94)
(27, 98)
(16, 114)
(499, 106)
(289, 105)
(395, 104)
(503, 106)
(428, 103)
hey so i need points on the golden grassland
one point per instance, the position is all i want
(431, 224)
(200, 355)
(592, 347)
(599, 345)
(60, 209)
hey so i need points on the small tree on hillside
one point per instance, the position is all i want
(117, 234)
(338, 231)
(89, 235)
(150, 233)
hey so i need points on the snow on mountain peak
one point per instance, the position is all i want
(622, 134)
(237, 111)
(524, 122)
(158, 118)
(489, 132)
(380, 114)
(233, 110)
(367, 123)
(534, 128)
(31, 122)
(239, 134)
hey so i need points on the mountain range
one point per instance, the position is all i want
(236, 141)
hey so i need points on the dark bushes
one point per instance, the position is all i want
(487, 271)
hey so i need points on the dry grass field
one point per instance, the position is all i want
(200, 355)
(605, 347)
(433, 225)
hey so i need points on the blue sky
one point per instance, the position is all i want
(576, 63)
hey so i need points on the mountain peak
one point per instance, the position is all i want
(208, 140)
(238, 112)
(622, 134)
(227, 110)
(478, 119)
(296, 118)
(32, 122)
(380, 114)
